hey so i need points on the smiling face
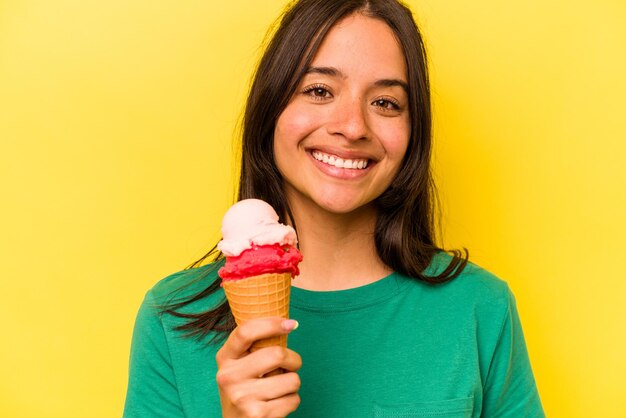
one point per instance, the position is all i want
(342, 137)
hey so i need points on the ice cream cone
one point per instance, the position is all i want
(261, 258)
(259, 297)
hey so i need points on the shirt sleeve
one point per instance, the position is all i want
(152, 390)
(510, 389)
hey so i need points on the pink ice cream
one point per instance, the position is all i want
(254, 242)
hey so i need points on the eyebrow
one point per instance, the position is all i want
(334, 72)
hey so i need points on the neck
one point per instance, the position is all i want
(339, 250)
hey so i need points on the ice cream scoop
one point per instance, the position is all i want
(253, 222)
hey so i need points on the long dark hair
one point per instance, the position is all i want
(404, 234)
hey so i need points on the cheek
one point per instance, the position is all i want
(293, 125)
(397, 141)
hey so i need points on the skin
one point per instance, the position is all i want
(351, 104)
(243, 392)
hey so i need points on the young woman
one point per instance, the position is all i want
(337, 138)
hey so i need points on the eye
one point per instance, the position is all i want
(318, 92)
(386, 104)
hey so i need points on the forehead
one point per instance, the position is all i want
(359, 45)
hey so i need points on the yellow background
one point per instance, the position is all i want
(116, 121)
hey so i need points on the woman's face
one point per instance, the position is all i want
(341, 139)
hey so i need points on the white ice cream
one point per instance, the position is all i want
(253, 221)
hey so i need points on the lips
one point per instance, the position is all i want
(336, 161)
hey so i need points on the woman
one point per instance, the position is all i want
(337, 139)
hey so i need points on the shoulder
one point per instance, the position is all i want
(474, 284)
(185, 284)
(475, 296)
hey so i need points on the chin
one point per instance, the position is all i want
(342, 205)
(330, 199)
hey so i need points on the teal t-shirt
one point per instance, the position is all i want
(395, 348)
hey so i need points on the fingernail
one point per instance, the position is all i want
(290, 324)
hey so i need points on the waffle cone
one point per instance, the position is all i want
(260, 297)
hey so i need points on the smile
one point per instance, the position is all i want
(335, 161)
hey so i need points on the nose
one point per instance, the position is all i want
(348, 119)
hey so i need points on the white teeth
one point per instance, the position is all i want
(340, 162)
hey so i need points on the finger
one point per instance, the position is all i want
(240, 340)
(262, 390)
(261, 362)
(268, 359)
(278, 386)
(281, 407)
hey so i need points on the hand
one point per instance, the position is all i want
(243, 390)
